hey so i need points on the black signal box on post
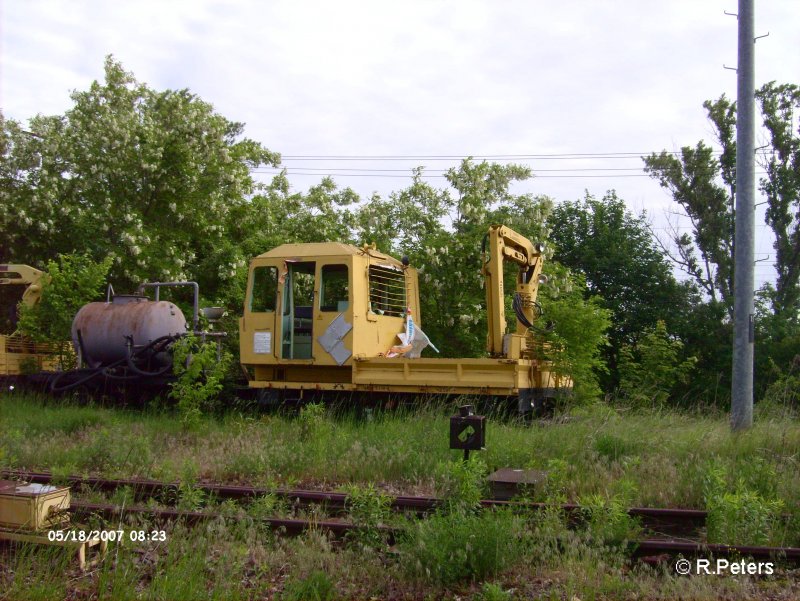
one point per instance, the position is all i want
(467, 431)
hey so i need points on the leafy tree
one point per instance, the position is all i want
(150, 179)
(693, 181)
(402, 223)
(779, 104)
(651, 369)
(705, 186)
(616, 253)
(576, 340)
(273, 217)
(71, 282)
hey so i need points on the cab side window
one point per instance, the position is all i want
(264, 296)
(334, 291)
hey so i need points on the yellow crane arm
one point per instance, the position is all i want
(504, 244)
(23, 274)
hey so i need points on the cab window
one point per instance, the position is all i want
(265, 289)
(334, 292)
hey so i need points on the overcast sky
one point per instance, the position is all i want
(419, 79)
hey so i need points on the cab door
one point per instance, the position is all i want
(297, 310)
(260, 339)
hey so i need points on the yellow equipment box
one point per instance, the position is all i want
(32, 507)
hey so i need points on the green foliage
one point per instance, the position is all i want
(190, 497)
(555, 484)
(650, 370)
(71, 282)
(313, 420)
(779, 105)
(623, 265)
(451, 547)
(785, 390)
(703, 184)
(741, 516)
(607, 517)
(492, 591)
(691, 178)
(370, 508)
(462, 484)
(199, 377)
(614, 447)
(579, 333)
(148, 178)
(267, 506)
(317, 586)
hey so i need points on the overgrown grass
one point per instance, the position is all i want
(665, 454)
(599, 456)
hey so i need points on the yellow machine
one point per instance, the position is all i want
(334, 317)
(18, 355)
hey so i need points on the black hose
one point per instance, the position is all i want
(131, 355)
(92, 373)
(106, 369)
(518, 309)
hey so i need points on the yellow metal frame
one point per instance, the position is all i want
(82, 549)
(17, 353)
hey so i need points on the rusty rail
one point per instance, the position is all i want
(292, 527)
(676, 520)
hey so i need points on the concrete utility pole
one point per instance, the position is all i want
(744, 239)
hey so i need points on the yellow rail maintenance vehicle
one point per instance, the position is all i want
(18, 355)
(322, 317)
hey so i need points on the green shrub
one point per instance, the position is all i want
(70, 283)
(200, 374)
(494, 592)
(462, 483)
(650, 369)
(190, 497)
(450, 547)
(785, 390)
(312, 420)
(317, 586)
(267, 506)
(607, 517)
(741, 516)
(579, 332)
(369, 508)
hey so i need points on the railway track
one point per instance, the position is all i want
(676, 521)
(653, 550)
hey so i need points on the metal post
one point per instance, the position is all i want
(744, 239)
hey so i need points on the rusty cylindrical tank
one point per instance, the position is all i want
(103, 327)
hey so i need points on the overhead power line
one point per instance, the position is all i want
(439, 173)
(452, 157)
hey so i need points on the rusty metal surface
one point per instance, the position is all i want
(8, 486)
(104, 326)
(517, 476)
(642, 548)
(507, 483)
(671, 547)
(281, 525)
(683, 520)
